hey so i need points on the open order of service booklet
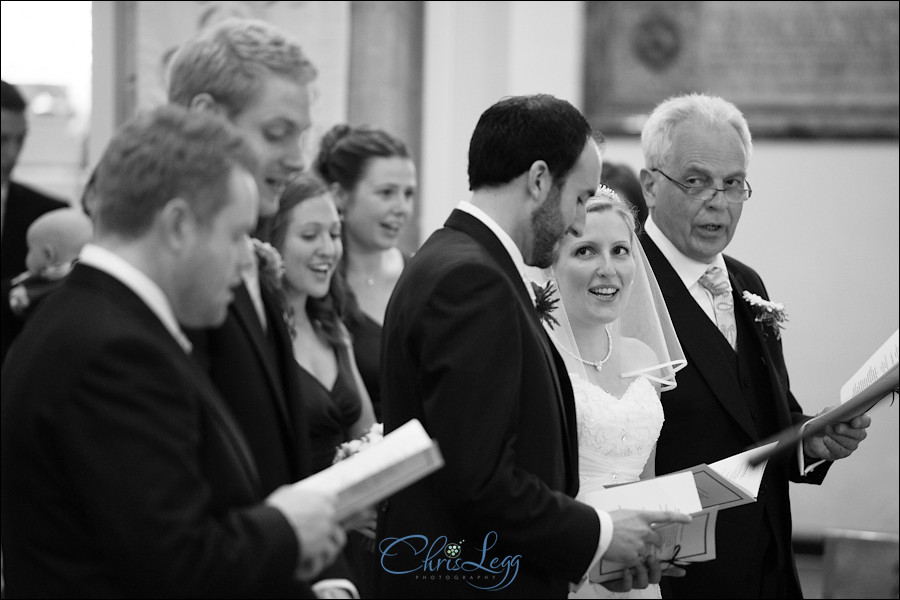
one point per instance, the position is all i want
(701, 491)
(401, 458)
(876, 380)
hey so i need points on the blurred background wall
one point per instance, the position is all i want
(821, 226)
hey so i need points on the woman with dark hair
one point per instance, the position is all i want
(306, 231)
(373, 179)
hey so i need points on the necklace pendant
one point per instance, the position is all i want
(598, 366)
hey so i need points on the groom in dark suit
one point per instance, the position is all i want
(123, 472)
(465, 353)
(734, 392)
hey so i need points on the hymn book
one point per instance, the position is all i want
(681, 541)
(401, 458)
(701, 492)
(876, 380)
(879, 373)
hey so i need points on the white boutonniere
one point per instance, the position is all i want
(271, 266)
(767, 313)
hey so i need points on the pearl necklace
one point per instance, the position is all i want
(596, 364)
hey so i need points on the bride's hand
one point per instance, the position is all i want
(626, 583)
(637, 577)
(633, 529)
(649, 572)
(671, 567)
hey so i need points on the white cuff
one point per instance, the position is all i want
(801, 456)
(320, 588)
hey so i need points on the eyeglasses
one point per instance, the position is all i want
(735, 190)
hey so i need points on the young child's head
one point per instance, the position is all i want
(55, 239)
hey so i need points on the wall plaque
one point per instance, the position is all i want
(795, 69)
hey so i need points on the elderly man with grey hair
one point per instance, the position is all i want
(734, 392)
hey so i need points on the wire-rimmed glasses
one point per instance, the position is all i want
(740, 191)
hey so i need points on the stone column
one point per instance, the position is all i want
(386, 58)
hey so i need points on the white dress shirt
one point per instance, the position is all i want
(687, 269)
(134, 279)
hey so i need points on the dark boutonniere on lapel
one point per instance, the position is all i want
(545, 300)
(767, 313)
(269, 263)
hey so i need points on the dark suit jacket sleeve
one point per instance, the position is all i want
(473, 338)
(754, 283)
(149, 501)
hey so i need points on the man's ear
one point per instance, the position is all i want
(204, 102)
(176, 224)
(539, 181)
(648, 185)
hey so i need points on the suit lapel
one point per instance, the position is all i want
(701, 341)
(222, 415)
(486, 238)
(246, 316)
(743, 311)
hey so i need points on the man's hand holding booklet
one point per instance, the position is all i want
(700, 492)
(876, 380)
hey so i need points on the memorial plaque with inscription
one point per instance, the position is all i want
(795, 69)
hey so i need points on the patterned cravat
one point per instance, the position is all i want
(716, 281)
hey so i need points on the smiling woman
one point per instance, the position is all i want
(373, 178)
(620, 351)
(306, 230)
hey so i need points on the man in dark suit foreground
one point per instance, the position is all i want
(123, 472)
(734, 392)
(465, 353)
(20, 205)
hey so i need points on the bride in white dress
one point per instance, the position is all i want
(620, 348)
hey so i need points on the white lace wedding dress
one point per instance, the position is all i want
(615, 439)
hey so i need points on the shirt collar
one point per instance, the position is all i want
(687, 269)
(514, 253)
(134, 279)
